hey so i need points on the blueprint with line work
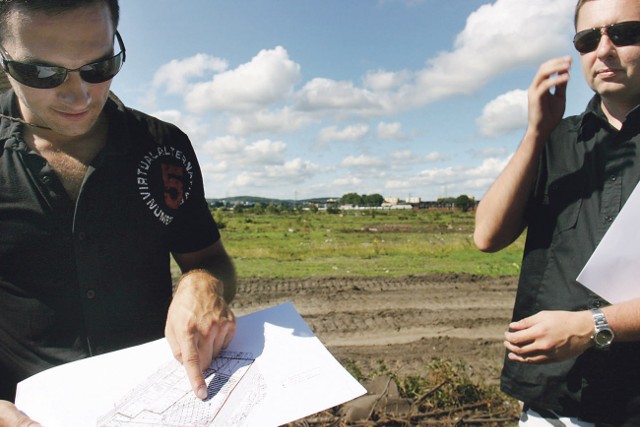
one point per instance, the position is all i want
(166, 399)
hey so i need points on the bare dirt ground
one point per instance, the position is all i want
(403, 322)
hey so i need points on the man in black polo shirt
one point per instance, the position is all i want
(94, 197)
(566, 182)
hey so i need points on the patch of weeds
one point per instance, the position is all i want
(352, 367)
(445, 389)
(451, 385)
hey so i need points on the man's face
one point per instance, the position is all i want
(70, 40)
(611, 71)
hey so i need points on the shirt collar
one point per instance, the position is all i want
(593, 118)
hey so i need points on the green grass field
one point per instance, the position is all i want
(359, 243)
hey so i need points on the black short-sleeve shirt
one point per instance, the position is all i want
(587, 172)
(78, 279)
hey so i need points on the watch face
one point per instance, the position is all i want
(603, 337)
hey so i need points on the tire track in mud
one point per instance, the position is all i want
(402, 322)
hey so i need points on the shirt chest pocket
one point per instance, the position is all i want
(563, 199)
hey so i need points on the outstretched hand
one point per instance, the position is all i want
(199, 325)
(549, 336)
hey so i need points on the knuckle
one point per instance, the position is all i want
(191, 358)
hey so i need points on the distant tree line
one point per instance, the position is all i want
(462, 202)
(366, 200)
(270, 208)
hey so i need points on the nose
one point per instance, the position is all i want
(74, 91)
(605, 46)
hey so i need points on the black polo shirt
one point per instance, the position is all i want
(82, 278)
(587, 172)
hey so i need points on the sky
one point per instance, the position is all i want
(299, 99)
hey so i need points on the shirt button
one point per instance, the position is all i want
(613, 178)
(82, 236)
(609, 218)
(91, 294)
(46, 179)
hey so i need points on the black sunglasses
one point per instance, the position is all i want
(620, 34)
(49, 76)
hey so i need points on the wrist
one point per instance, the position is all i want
(602, 335)
(201, 279)
(535, 137)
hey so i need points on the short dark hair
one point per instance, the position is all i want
(53, 7)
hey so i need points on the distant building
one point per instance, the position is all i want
(391, 201)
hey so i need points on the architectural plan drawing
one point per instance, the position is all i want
(274, 371)
(166, 399)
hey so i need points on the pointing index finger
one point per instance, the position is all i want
(191, 363)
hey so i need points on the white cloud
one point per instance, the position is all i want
(392, 131)
(361, 161)
(403, 156)
(175, 74)
(489, 152)
(213, 174)
(385, 80)
(497, 37)
(408, 157)
(435, 156)
(191, 125)
(284, 120)
(241, 152)
(504, 114)
(225, 146)
(347, 181)
(267, 79)
(321, 94)
(453, 180)
(261, 93)
(298, 169)
(246, 179)
(349, 133)
(265, 151)
(270, 176)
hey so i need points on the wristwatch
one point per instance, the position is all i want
(602, 335)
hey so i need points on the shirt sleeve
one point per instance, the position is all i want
(193, 227)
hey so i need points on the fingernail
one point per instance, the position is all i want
(202, 393)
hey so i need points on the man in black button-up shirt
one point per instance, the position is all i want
(570, 355)
(94, 199)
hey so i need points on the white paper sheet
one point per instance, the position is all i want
(613, 270)
(275, 371)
